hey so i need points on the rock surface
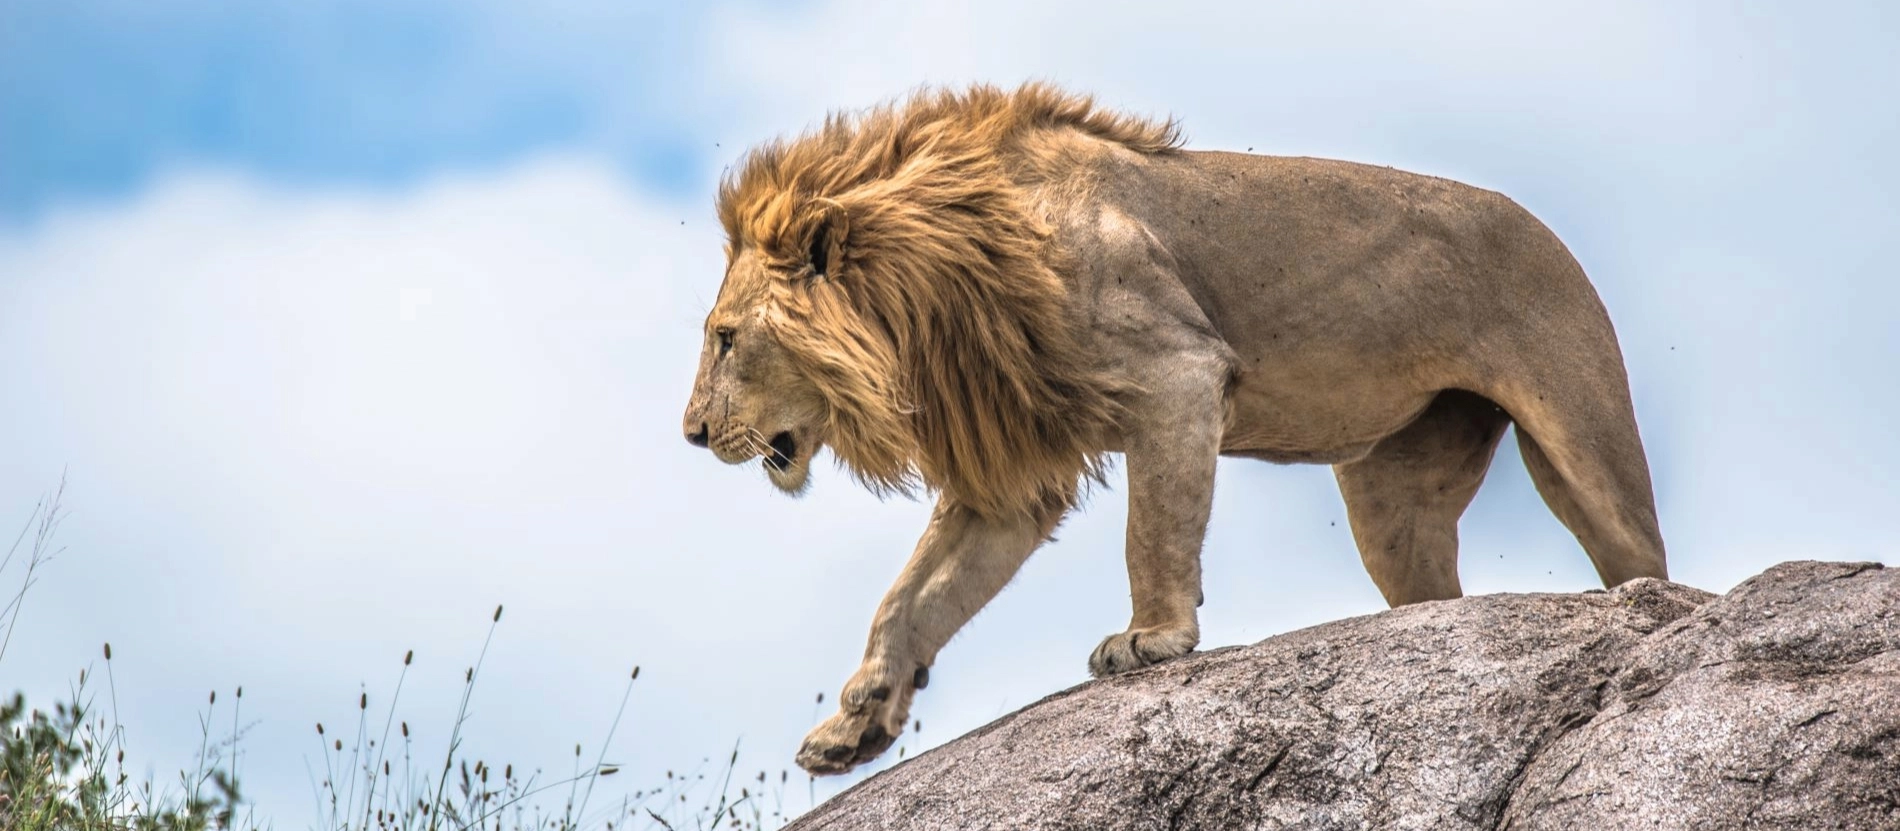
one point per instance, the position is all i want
(1650, 706)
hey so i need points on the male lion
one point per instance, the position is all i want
(983, 292)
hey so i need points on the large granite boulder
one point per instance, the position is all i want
(1653, 705)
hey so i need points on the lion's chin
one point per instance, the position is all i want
(792, 478)
(787, 463)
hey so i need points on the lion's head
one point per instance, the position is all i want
(890, 294)
(764, 392)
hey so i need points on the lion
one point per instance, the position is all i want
(982, 293)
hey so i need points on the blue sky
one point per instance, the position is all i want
(349, 322)
(98, 97)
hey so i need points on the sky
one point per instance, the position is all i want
(347, 322)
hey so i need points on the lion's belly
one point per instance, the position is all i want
(1288, 423)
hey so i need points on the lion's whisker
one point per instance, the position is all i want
(760, 439)
(759, 443)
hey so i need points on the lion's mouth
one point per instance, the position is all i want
(784, 450)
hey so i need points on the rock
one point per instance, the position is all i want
(1776, 706)
(1653, 705)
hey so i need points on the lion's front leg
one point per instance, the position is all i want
(961, 563)
(1172, 446)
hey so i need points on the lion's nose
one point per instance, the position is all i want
(698, 439)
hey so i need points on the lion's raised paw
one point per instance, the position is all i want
(843, 742)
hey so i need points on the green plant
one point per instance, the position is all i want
(65, 770)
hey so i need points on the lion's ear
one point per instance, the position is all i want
(825, 249)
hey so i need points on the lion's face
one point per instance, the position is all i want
(749, 399)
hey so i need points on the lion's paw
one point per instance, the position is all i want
(871, 714)
(843, 742)
(1137, 648)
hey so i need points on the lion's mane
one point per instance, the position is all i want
(939, 334)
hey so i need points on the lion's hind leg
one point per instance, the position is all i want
(1588, 465)
(1404, 498)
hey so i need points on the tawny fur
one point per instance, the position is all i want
(984, 292)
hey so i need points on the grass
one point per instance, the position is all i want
(65, 769)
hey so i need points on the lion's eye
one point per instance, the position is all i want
(725, 341)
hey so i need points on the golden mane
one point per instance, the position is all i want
(914, 286)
